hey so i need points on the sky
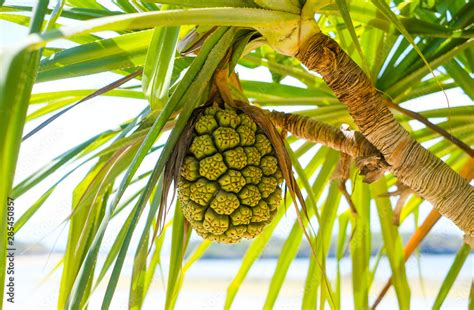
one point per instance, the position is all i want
(102, 113)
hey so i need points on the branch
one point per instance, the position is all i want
(367, 158)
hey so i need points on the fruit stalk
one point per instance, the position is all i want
(343, 139)
(367, 158)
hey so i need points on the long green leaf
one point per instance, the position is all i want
(88, 224)
(58, 162)
(18, 71)
(158, 65)
(238, 17)
(197, 253)
(209, 3)
(137, 286)
(360, 246)
(343, 8)
(124, 51)
(416, 76)
(393, 243)
(315, 274)
(179, 241)
(371, 16)
(452, 274)
(292, 243)
(343, 222)
(461, 77)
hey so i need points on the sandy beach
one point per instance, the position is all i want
(206, 284)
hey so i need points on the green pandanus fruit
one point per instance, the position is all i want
(229, 179)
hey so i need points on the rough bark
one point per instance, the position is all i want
(368, 159)
(412, 164)
(350, 142)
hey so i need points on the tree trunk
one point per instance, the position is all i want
(412, 164)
